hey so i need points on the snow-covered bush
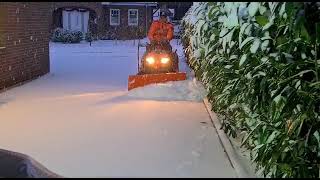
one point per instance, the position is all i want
(66, 36)
(260, 64)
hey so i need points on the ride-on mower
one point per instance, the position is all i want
(159, 64)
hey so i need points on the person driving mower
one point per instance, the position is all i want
(159, 64)
(161, 32)
(160, 35)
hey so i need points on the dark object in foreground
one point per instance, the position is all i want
(17, 165)
(159, 64)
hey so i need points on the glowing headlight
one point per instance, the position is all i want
(165, 60)
(150, 60)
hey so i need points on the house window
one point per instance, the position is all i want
(114, 17)
(133, 17)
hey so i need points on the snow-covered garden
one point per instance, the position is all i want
(80, 121)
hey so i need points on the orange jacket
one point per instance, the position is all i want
(160, 31)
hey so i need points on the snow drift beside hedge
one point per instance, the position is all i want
(188, 90)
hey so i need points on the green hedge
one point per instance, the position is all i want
(260, 64)
(66, 36)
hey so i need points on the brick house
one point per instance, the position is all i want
(106, 20)
(26, 27)
(128, 19)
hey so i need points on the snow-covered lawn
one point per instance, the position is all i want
(80, 121)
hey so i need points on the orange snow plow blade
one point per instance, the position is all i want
(135, 81)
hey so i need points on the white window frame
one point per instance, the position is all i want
(69, 20)
(111, 23)
(133, 24)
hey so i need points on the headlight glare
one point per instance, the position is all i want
(165, 60)
(150, 60)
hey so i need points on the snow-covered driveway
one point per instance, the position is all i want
(80, 121)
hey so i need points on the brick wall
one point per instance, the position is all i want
(24, 28)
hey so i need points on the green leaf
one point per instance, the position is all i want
(260, 73)
(317, 136)
(258, 147)
(243, 59)
(246, 41)
(246, 138)
(301, 121)
(212, 11)
(255, 46)
(318, 33)
(262, 20)
(271, 137)
(282, 9)
(281, 40)
(315, 84)
(262, 9)
(253, 8)
(304, 33)
(211, 3)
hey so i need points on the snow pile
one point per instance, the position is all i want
(188, 90)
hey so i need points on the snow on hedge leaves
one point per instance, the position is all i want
(255, 46)
(227, 18)
(253, 8)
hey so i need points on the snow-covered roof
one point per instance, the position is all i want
(130, 3)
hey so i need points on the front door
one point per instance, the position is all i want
(75, 20)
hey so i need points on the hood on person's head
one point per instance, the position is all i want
(163, 16)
